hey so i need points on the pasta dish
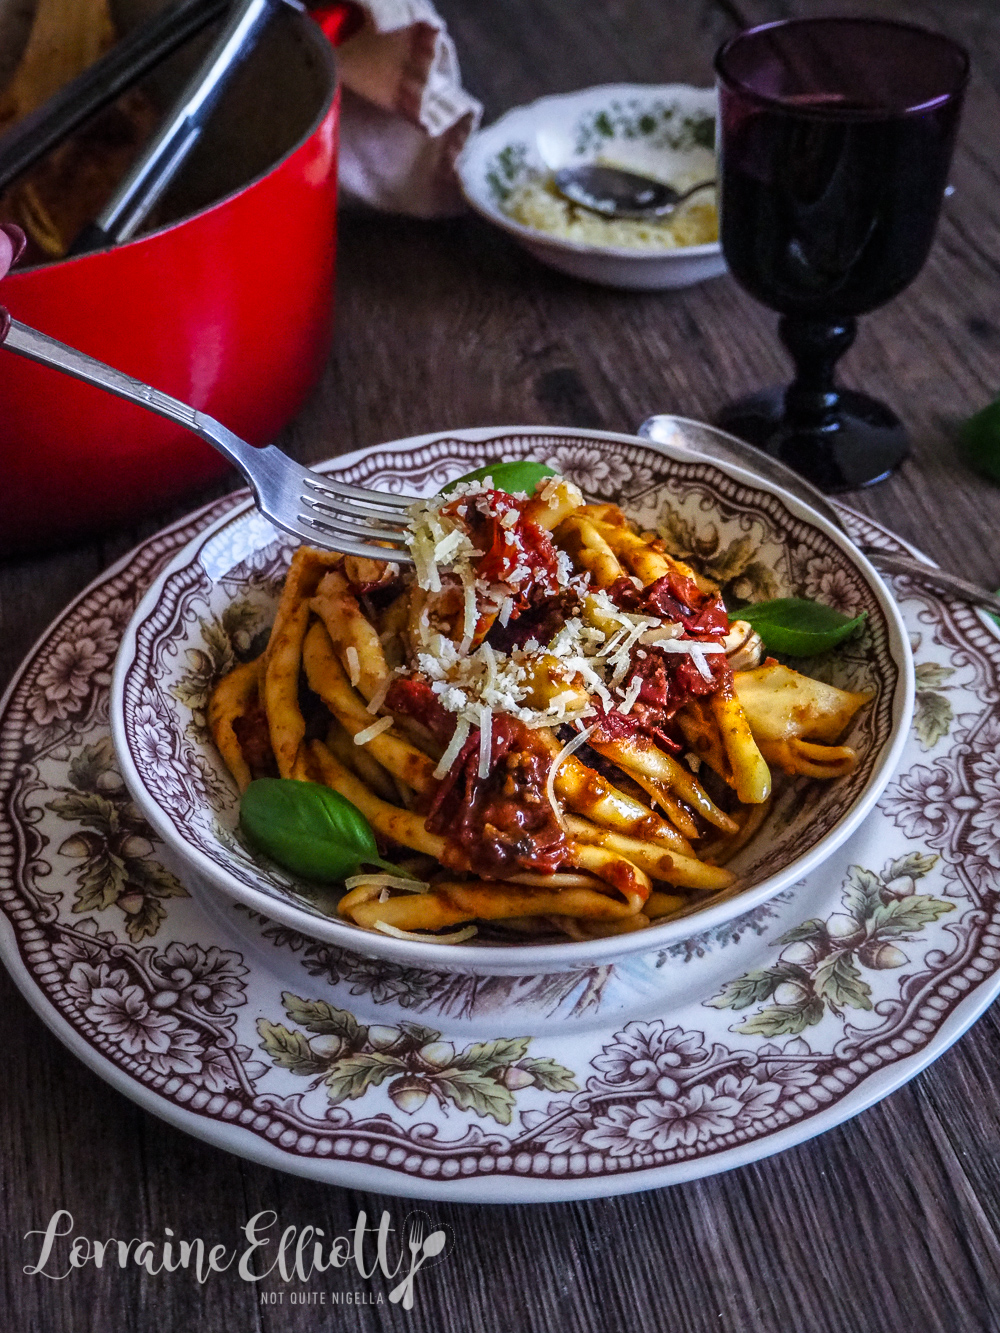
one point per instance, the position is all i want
(551, 724)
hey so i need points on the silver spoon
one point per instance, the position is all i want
(615, 193)
(698, 438)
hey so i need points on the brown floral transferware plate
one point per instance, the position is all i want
(211, 606)
(712, 1053)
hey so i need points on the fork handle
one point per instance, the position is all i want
(35, 346)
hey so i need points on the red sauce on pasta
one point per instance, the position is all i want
(517, 551)
(676, 598)
(504, 822)
(412, 696)
(669, 680)
(495, 825)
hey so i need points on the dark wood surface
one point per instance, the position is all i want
(889, 1223)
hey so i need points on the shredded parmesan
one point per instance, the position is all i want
(694, 647)
(455, 937)
(594, 653)
(485, 740)
(378, 698)
(376, 729)
(470, 615)
(459, 737)
(631, 694)
(550, 781)
(377, 878)
(353, 665)
(662, 632)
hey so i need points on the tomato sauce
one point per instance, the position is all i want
(254, 737)
(412, 696)
(676, 598)
(507, 550)
(495, 825)
(668, 680)
(504, 822)
(541, 619)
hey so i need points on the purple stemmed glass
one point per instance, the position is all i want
(836, 136)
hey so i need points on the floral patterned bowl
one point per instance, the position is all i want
(208, 607)
(665, 131)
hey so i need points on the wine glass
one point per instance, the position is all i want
(836, 136)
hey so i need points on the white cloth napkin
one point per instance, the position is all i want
(404, 112)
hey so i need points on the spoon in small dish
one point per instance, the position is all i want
(615, 193)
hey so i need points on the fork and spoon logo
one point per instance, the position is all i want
(422, 1246)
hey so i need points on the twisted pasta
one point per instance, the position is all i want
(541, 716)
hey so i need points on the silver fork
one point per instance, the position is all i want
(312, 508)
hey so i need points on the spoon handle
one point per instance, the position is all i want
(702, 185)
(888, 562)
(697, 437)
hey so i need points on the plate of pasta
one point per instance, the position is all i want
(556, 739)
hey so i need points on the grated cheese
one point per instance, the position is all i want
(376, 729)
(455, 937)
(378, 698)
(470, 615)
(460, 736)
(631, 694)
(485, 740)
(595, 651)
(694, 647)
(353, 665)
(550, 781)
(375, 878)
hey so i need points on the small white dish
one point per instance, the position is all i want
(665, 131)
(218, 594)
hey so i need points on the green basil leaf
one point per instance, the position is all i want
(980, 438)
(515, 478)
(797, 627)
(308, 829)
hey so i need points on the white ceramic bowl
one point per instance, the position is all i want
(208, 605)
(665, 131)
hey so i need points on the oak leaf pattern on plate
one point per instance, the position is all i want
(349, 1058)
(819, 968)
(113, 846)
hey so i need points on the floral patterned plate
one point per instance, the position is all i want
(706, 1055)
(213, 604)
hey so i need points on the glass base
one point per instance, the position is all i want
(863, 444)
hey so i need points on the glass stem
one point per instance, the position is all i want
(816, 345)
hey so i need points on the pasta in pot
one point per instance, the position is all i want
(542, 715)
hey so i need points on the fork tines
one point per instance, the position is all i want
(355, 521)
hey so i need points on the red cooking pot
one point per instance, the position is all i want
(228, 307)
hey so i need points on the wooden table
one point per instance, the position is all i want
(891, 1222)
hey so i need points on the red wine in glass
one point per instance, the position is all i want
(836, 137)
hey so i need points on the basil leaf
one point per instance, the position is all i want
(515, 478)
(797, 627)
(308, 829)
(980, 438)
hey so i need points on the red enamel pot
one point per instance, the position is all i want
(228, 307)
